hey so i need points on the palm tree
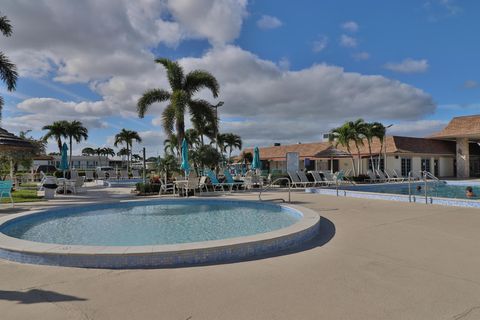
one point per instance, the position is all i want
(192, 137)
(123, 153)
(56, 130)
(8, 71)
(74, 130)
(380, 133)
(88, 151)
(343, 135)
(180, 98)
(357, 128)
(221, 143)
(171, 145)
(231, 142)
(108, 152)
(205, 127)
(126, 137)
(370, 131)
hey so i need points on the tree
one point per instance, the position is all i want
(56, 131)
(193, 138)
(180, 98)
(88, 151)
(126, 137)
(370, 131)
(380, 133)
(8, 71)
(343, 135)
(357, 128)
(205, 127)
(206, 156)
(108, 152)
(171, 145)
(231, 141)
(74, 130)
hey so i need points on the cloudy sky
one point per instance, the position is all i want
(288, 70)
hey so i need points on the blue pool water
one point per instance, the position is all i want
(151, 223)
(441, 189)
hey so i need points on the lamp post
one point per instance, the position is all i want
(219, 104)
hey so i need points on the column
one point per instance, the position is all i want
(463, 158)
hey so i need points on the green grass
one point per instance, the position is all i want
(23, 196)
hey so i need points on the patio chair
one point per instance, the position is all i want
(317, 178)
(75, 186)
(329, 178)
(304, 179)
(89, 176)
(6, 190)
(392, 176)
(382, 176)
(295, 180)
(214, 181)
(203, 184)
(165, 187)
(372, 177)
(191, 184)
(229, 179)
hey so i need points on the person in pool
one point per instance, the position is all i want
(469, 192)
(419, 188)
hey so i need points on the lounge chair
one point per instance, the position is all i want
(75, 186)
(372, 177)
(382, 176)
(295, 180)
(416, 175)
(215, 183)
(329, 177)
(317, 178)
(203, 183)
(6, 190)
(392, 176)
(304, 179)
(229, 179)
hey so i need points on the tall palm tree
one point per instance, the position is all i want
(108, 152)
(357, 128)
(74, 130)
(88, 151)
(126, 137)
(232, 141)
(123, 153)
(205, 127)
(192, 137)
(380, 133)
(8, 71)
(343, 135)
(180, 98)
(171, 145)
(56, 130)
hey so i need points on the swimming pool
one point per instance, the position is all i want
(154, 233)
(434, 189)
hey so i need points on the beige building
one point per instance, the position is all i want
(454, 151)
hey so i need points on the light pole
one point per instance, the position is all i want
(219, 104)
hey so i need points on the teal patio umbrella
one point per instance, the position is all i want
(64, 160)
(185, 165)
(256, 159)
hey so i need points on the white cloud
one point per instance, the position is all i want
(284, 63)
(438, 9)
(347, 41)
(408, 66)
(359, 56)
(420, 128)
(320, 44)
(268, 22)
(470, 84)
(350, 26)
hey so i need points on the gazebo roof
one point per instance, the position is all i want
(332, 152)
(10, 142)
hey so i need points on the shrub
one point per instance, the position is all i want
(147, 188)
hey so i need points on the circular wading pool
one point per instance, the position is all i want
(154, 233)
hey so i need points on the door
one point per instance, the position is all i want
(436, 168)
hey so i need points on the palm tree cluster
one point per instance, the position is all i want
(71, 130)
(126, 137)
(8, 71)
(358, 132)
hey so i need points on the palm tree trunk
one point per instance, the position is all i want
(359, 158)
(380, 155)
(59, 142)
(370, 153)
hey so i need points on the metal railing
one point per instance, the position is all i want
(425, 175)
(273, 183)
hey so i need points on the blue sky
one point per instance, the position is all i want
(288, 70)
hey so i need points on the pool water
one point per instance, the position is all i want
(441, 189)
(155, 223)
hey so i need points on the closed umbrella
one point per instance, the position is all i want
(64, 164)
(185, 165)
(256, 159)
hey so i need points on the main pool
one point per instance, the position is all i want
(154, 233)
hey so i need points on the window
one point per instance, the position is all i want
(375, 164)
(406, 166)
(426, 164)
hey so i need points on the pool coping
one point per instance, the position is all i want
(415, 198)
(160, 255)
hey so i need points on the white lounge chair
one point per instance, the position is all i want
(295, 179)
(304, 179)
(392, 176)
(317, 178)
(372, 177)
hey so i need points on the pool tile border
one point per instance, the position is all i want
(158, 256)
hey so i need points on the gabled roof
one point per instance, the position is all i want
(460, 127)
(392, 144)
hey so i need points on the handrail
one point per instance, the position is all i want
(271, 184)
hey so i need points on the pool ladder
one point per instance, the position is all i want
(425, 176)
(273, 183)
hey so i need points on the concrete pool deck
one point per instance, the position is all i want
(374, 260)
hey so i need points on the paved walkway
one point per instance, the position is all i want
(374, 260)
